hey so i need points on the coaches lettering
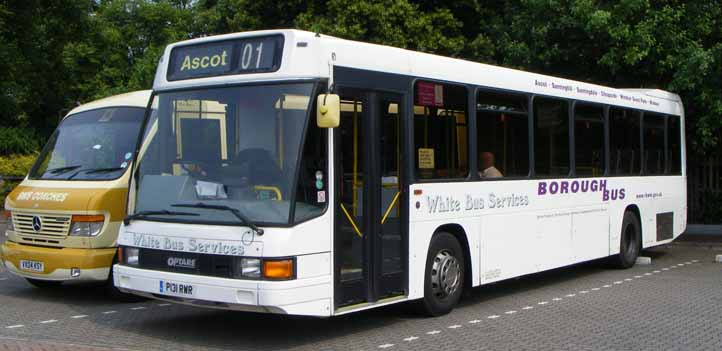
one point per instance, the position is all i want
(193, 63)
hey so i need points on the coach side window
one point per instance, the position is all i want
(441, 142)
(551, 137)
(503, 132)
(674, 146)
(653, 160)
(625, 145)
(589, 140)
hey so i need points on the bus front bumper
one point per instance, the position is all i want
(310, 297)
(57, 264)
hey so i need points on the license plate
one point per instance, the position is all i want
(176, 289)
(32, 266)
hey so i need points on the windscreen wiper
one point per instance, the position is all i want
(96, 170)
(235, 212)
(60, 170)
(143, 214)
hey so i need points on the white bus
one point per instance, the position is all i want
(291, 172)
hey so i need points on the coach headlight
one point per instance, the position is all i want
(129, 255)
(250, 268)
(87, 225)
(9, 219)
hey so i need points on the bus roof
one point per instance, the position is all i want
(308, 55)
(132, 99)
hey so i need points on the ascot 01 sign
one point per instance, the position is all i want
(242, 56)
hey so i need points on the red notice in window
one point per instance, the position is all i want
(429, 94)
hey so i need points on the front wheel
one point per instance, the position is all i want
(444, 280)
(630, 242)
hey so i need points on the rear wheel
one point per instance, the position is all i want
(43, 284)
(444, 280)
(630, 241)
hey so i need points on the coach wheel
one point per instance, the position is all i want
(444, 279)
(43, 284)
(630, 241)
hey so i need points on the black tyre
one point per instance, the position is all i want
(43, 284)
(444, 279)
(630, 242)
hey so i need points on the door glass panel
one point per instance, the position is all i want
(350, 223)
(390, 234)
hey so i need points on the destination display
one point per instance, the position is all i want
(241, 56)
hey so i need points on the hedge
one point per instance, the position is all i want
(14, 166)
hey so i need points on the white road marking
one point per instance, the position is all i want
(163, 304)
(109, 312)
(411, 338)
(49, 321)
(665, 269)
(493, 316)
(606, 286)
(673, 267)
(638, 276)
(595, 289)
(474, 321)
(542, 303)
(695, 261)
(1, 279)
(657, 272)
(385, 346)
(15, 326)
(688, 262)
(571, 295)
(681, 264)
(138, 308)
(618, 282)
(527, 308)
(79, 316)
(510, 312)
(455, 326)
(583, 292)
(647, 273)
(433, 332)
(627, 279)
(556, 299)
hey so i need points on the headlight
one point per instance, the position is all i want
(250, 268)
(129, 255)
(9, 218)
(87, 225)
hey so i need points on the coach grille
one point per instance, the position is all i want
(206, 264)
(52, 227)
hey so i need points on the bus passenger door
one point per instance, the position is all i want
(368, 235)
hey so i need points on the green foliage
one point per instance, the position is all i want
(17, 140)
(392, 22)
(16, 165)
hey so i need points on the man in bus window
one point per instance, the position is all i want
(486, 163)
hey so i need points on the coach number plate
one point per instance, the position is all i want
(176, 289)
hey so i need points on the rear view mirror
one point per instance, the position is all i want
(328, 113)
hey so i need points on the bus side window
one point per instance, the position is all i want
(654, 159)
(441, 131)
(589, 140)
(502, 130)
(551, 137)
(625, 145)
(674, 148)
